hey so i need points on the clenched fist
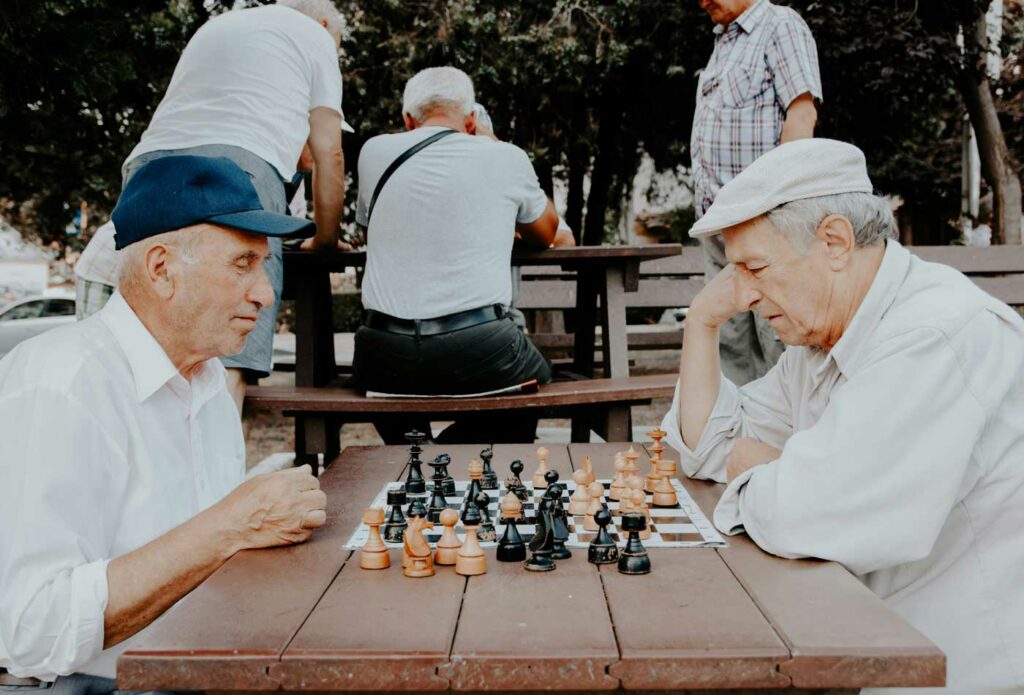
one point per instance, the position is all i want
(273, 509)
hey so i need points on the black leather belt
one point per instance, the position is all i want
(442, 324)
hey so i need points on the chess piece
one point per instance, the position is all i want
(511, 547)
(374, 554)
(596, 491)
(631, 456)
(634, 558)
(489, 481)
(438, 502)
(448, 545)
(470, 560)
(640, 507)
(417, 506)
(580, 499)
(394, 527)
(541, 545)
(664, 492)
(538, 477)
(414, 482)
(618, 485)
(417, 549)
(486, 532)
(588, 466)
(602, 549)
(560, 530)
(656, 450)
(476, 472)
(515, 484)
(447, 481)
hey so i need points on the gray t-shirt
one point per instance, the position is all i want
(442, 231)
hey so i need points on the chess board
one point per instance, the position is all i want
(681, 526)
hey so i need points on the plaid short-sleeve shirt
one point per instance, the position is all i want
(762, 61)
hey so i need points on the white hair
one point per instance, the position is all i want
(184, 242)
(319, 11)
(869, 215)
(438, 89)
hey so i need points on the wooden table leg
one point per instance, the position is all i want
(314, 329)
(617, 425)
(588, 289)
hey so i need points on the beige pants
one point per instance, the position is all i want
(748, 347)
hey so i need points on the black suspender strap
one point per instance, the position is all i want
(399, 162)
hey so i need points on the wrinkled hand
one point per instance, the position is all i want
(716, 303)
(311, 244)
(747, 453)
(274, 509)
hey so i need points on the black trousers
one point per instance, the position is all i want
(488, 356)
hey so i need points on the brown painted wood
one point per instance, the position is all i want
(839, 633)
(348, 400)
(228, 631)
(522, 630)
(974, 259)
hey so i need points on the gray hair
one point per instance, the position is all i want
(438, 89)
(869, 215)
(319, 11)
(184, 242)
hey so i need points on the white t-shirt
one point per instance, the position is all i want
(249, 78)
(442, 231)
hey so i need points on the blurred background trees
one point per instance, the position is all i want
(588, 87)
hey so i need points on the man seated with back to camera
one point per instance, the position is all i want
(439, 245)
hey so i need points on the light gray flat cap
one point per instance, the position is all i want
(796, 170)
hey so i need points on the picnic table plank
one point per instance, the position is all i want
(520, 630)
(219, 634)
(377, 630)
(693, 626)
(839, 633)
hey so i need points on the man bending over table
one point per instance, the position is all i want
(890, 435)
(123, 460)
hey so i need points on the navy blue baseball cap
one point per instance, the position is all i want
(170, 193)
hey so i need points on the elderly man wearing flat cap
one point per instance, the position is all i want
(122, 459)
(890, 435)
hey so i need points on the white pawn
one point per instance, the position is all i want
(619, 481)
(538, 478)
(579, 502)
(596, 491)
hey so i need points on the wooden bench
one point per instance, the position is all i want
(320, 412)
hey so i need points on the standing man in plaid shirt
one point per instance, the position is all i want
(759, 89)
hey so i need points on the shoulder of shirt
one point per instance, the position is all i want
(781, 15)
(58, 359)
(937, 297)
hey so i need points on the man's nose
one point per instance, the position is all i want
(262, 292)
(746, 295)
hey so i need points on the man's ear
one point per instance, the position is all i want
(410, 122)
(158, 271)
(470, 123)
(836, 233)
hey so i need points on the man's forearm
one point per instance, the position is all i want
(144, 583)
(328, 196)
(699, 379)
(801, 117)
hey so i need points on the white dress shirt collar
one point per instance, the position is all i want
(150, 365)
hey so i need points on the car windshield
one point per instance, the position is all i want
(28, 310)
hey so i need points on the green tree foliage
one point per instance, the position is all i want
(586, 86)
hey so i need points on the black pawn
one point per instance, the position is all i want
(471, 515)
(438, 503)
(486, 532)
(414, 482)
(541, 545)
(511, 547)
(395, 524)
(514, 484)
(634, 559)
(490, 478)
(602, 550)
(417, 508)
(559, 527)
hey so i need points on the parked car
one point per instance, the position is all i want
(31, 316)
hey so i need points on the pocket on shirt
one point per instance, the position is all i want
(735, 86)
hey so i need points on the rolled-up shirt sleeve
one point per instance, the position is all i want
(760, 409)
(792, 58)
(55, 543)
(872, 482)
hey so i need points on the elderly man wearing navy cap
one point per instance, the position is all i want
(123, 461)
(889, 437)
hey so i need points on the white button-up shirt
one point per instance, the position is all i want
(105, 447)
(902, 459)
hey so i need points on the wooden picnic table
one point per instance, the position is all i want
(734, 619)
(603, 275)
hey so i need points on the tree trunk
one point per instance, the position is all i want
(996, 162)
(578, 161)
(608, 133)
